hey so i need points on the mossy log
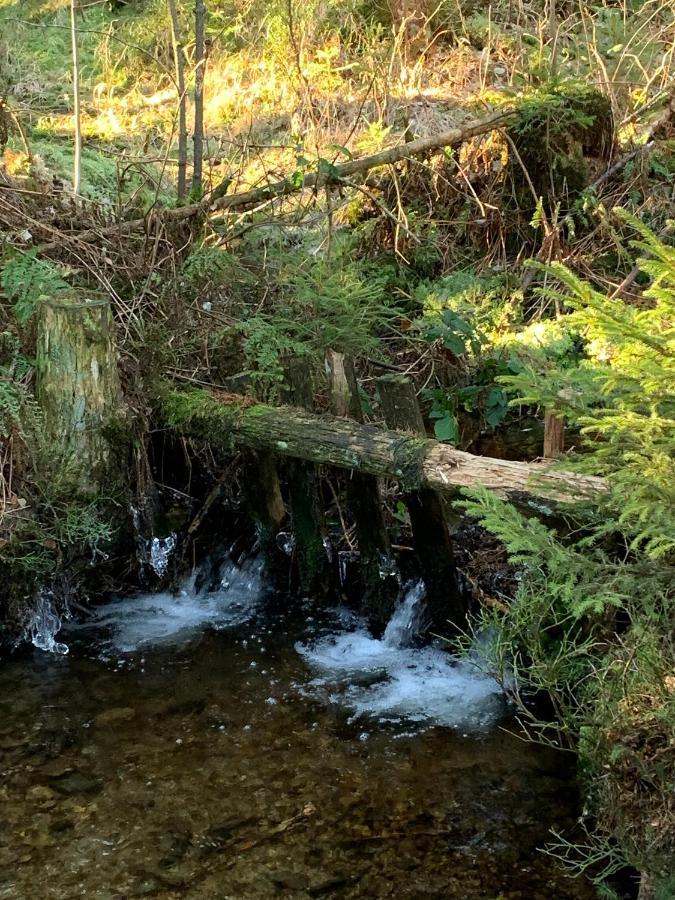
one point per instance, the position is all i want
(78, 386)
(230, 420)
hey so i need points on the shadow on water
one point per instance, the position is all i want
(223, 747)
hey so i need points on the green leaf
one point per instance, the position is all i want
(326, 167)
(454, 343)
(338, 148)
(496, 407)
(447, 429)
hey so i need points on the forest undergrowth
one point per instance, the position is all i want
(525, 271)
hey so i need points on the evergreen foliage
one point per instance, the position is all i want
(609, 562)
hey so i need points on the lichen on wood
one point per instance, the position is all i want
(78, 386)
(414, 461)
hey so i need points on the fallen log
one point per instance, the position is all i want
(231, 420)
(331, 174)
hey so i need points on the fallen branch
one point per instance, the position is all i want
(315, 180)
(231, 420)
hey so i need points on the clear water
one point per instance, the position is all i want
(224, 744)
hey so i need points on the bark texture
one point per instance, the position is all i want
(378, 569)
(554, 436)
(231, 420)
(309, 527)
(77, 385)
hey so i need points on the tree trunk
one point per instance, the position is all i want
(200, 65)
(378, 569)
(429, 526)
(77, 385)
(647, 889)
(76, 100)
(229, 419)
(179, 63)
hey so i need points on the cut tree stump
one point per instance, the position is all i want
(78, 387)
(431, 536)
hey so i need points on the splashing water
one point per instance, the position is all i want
(406, 623)
(44, 623)
(129, 623)
(160, 553)
(390, 681)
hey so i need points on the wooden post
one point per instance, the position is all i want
(427, 514)
(77, 384)
(380, 582)
(554, 435)
(309, 529)
(263, 495)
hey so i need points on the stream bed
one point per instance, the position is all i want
(223, 743)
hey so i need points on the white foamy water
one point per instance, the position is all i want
(44, 623)
(129, 623)
(391, 681)
(161, 550)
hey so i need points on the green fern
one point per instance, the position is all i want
(27, 281)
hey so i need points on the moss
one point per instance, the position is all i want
(409, 455)
(556, 132)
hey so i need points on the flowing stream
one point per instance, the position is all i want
(226, 743)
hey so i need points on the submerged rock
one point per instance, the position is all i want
(114, 715)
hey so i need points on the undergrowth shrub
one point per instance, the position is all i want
(592, 624)
(318, 307)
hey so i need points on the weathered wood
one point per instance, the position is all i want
(309, 527)
(399, 404)
(554, 435)
(343, 386)
(232, 420)
(77, 384)
(378, 571)
(263, 495)
(431, 536)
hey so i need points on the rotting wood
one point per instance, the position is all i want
(413, 461)
(428, 522)
(378, 570)
(78, 387)
(263, 495)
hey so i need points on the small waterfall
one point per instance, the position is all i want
(394, 681)
(219, 596)
(407, 621)
(44, 623)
